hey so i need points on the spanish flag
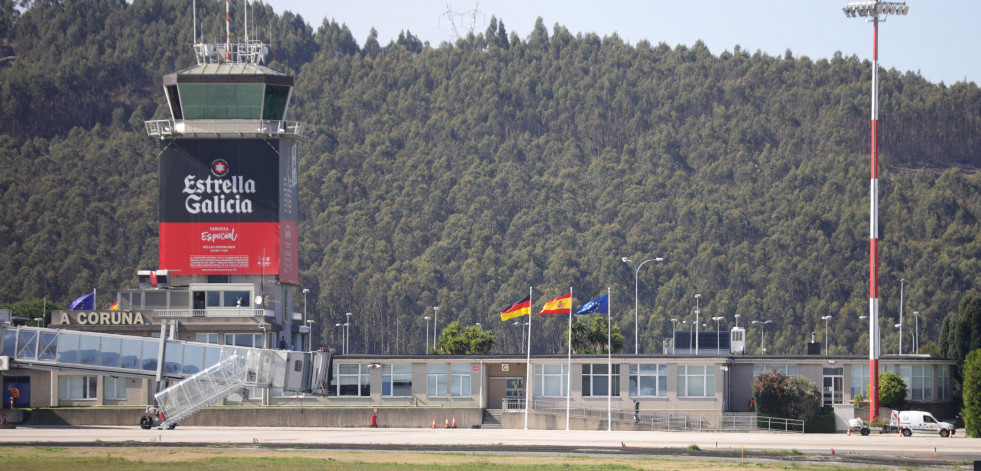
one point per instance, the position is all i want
(521, 308)
(115, 306)
(559, 305)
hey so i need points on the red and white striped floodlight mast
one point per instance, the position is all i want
(874, 12)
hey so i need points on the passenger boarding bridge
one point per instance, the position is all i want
(199, 373)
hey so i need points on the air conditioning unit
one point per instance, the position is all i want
(143, 279)
(163, 279)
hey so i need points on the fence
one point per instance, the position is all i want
(662, 421)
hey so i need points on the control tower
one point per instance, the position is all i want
(228, 248)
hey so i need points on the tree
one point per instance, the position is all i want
(594, 339)
(892, 390)
(804, 398)
(794, 397)
(455, 340)
(971, 392)
(769, 392)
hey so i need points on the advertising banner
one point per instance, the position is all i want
(220, 208)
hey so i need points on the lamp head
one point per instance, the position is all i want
(625, 260)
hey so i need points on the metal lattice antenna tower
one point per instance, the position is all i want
(452, 16)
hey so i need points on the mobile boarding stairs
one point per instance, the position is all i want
(198, 374)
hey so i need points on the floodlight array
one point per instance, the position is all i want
(875, 9)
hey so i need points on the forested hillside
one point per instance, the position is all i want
(459, 175)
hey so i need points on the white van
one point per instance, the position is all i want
(909, 421)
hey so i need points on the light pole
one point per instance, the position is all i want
(737, 319)
(916, 333)
(825, 319)
(697, 312)
(674, 333)
(900, 327)
(435, 317)
(902, 281)
(872, 10)
(347, 334)
(718, 338)
(762, 331)
(425, 344)
(690, 336)
(521, 348)
(305, 291)
(636, 302)
(339, 326)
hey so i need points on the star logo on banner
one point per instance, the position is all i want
(219, 168)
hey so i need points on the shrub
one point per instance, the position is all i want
(778, 395)
(892, 390)
(859, 401)
(823, 422)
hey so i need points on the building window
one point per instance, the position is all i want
(436, 380)
(115, 388)
(551, 380)
(244, 340)
(397, 380)
(943, 383)
(352, 380)
(859, 379)
(785, 369)
(922, 387)
(696, 381)
(77, 387)
(596, 380)
(206, 338)
(648, 380)
(460, 380)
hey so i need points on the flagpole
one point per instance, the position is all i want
(528, 391)
(568, 376)
(95, 305)
(609, 365)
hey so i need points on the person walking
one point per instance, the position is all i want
(636, 411)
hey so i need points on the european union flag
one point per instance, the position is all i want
(599, 305)
(83, 303)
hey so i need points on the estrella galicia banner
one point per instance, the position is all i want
(220, 203)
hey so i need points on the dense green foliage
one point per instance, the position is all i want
(971, 412)
(823, 422)
(459, 175)
(892, 390)
(791, 397)
(456, 340)
(591, 337)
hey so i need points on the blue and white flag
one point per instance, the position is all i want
(83, 303)
(599, 305)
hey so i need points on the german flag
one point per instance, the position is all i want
(559, 305)
(521, 308)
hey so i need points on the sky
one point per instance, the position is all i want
(938, 39)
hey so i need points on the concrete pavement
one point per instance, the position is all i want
(885, 448)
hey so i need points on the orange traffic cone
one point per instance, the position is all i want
(454, 422)
(434, 422)
(849, 432)
(447, 423)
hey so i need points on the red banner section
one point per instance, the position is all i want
(244, 248)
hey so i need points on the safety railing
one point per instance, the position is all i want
(661, 421)
(227, 127)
